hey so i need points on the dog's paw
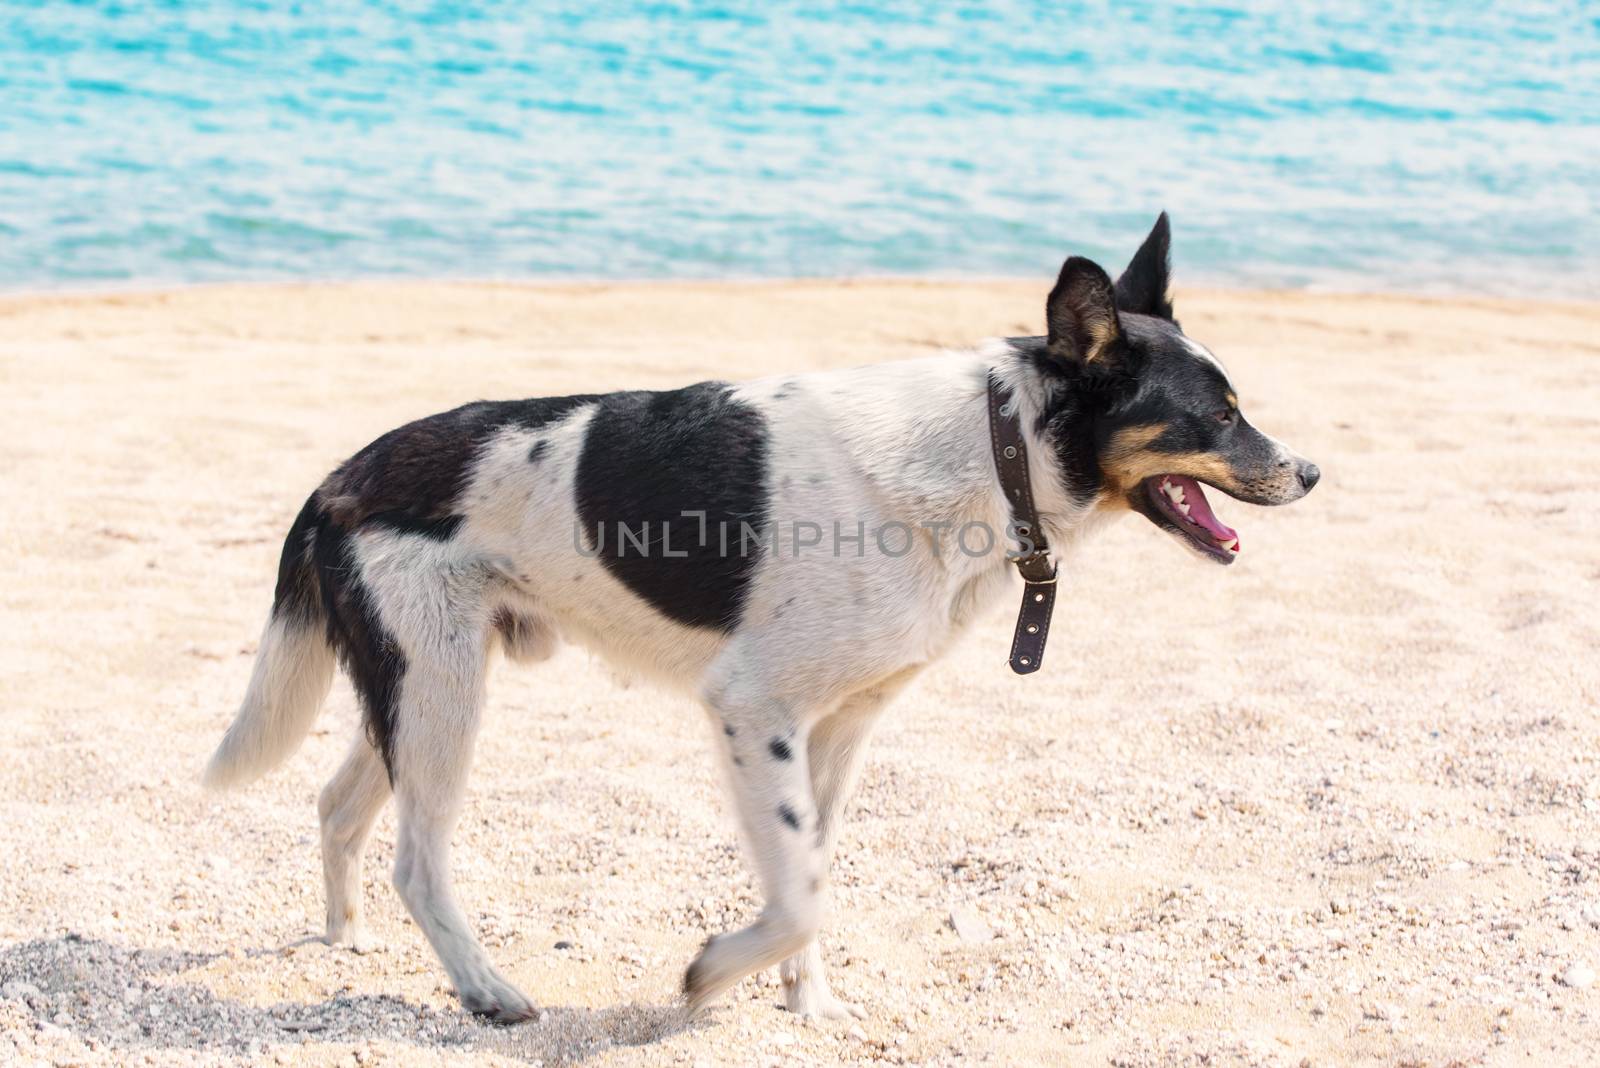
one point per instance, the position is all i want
(814, 1001)
(498, 1002)
(356, 939)
(697, 988)
(362, 942)
(714, 969)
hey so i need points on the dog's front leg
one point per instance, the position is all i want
(767, 756)
(834, 753)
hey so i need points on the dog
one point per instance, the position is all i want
(653, 528)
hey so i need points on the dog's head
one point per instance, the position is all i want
(1149, 415)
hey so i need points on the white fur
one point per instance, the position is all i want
(293, 671)
(1205, 355)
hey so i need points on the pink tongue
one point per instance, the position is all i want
(1200, 508)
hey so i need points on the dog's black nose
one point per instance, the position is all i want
(1309, 473)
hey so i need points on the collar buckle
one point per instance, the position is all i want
(1036, 567)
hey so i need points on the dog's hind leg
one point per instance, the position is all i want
(835, 751)
(440, 702)
(766, 749)
(417, 635)
(348, 807)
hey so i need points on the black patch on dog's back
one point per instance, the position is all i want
(650, 457)
(409, 479)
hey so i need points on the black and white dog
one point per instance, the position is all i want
(785, 551)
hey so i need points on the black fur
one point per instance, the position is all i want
(318, 586)
(1086, 408)
(368, 652)
(649, 457)
(441, 529)
(1072, 421)
(1176, 390)
(296, 599)
(409, 479)
(1186, 396)
(1143, 287)
(515, 630)
(780, 749)
(786, 814)
(537, 451)
(1081, 316)
(1145, 376)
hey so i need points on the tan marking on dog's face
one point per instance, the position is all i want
(1124, 457)
(1126, 451)
(1129, 460)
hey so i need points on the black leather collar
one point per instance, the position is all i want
(1033, 555)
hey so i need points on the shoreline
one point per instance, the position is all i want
(116, 289)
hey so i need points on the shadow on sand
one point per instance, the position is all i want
(133, 999)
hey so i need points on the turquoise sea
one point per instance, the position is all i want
(1439, 145)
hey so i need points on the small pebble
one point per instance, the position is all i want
(969, 926)
(1579, 977)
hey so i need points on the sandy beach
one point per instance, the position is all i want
(1338, 804)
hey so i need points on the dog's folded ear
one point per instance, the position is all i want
(1081, 314)
(1143, 287)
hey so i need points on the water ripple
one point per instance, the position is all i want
(1434, 145)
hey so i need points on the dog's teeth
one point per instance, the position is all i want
(1184, 508)
(1232, 545)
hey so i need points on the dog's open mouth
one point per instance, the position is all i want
(1183, 504)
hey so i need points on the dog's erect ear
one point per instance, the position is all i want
(1142, 289)
(1081, 314)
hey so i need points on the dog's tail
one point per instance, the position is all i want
(294, 667)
